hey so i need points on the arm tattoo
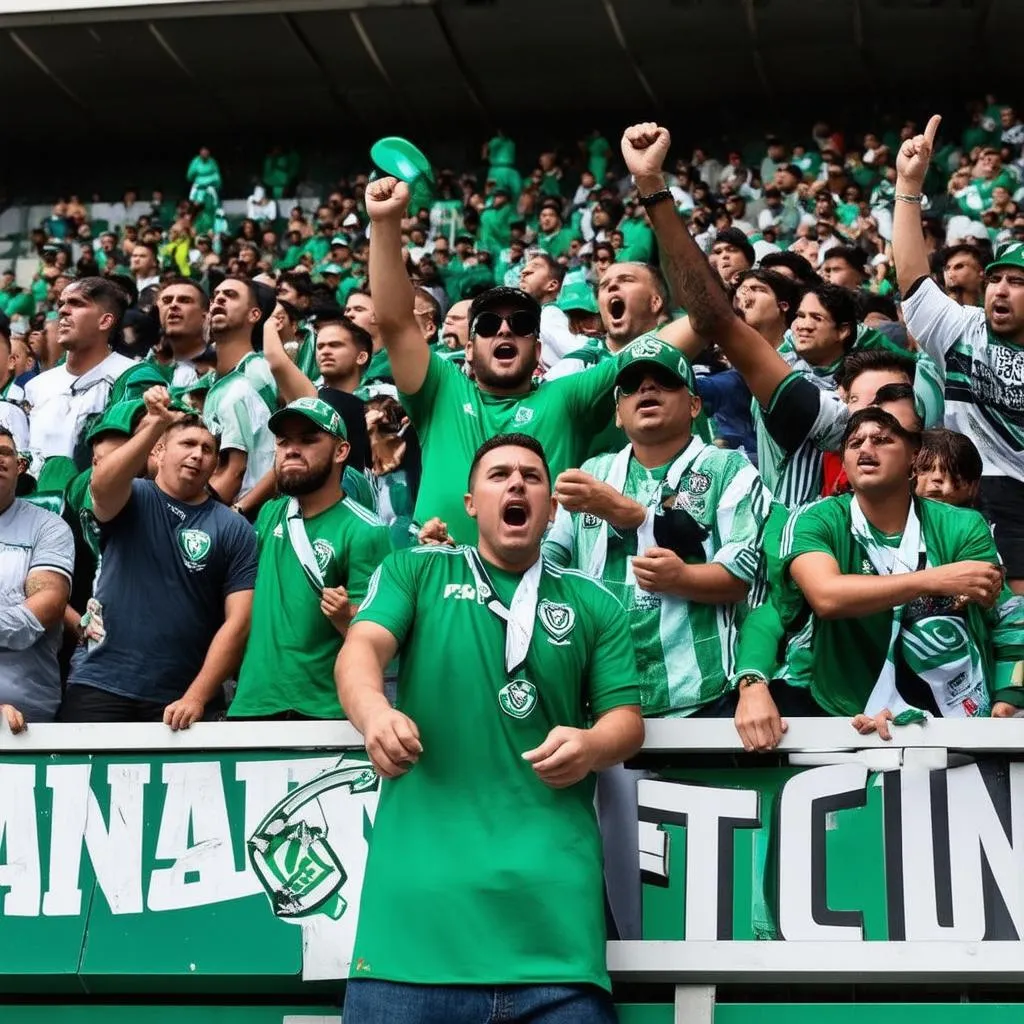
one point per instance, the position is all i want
(695, 286)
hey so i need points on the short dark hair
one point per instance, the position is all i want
(956, 453)
(872, 414)
(302, 283)
(839, 303)
(782, 288)
(5, 432)
(191, 282)
(738, 240)
(555, 269)
(250, 285)
(963, 249)
(105, 293)
(531, 444)
(898, 393)
(854, 258)
(870, 302)
(193, 420)
(360, 337)
(864, 360)
(799, 265)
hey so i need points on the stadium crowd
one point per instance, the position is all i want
(775, 406)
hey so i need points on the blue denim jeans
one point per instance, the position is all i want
(388, 1002)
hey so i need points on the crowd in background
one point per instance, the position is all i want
(216, 429)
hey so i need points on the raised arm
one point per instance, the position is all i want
(386, 201)
(690, 277)
(291, 382)
(908, 248)
(111, 483)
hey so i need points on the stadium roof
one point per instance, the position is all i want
(75, 68)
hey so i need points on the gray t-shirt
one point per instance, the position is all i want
(31, 538)
(165, 571)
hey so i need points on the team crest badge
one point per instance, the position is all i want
(323, 552)
(291, 850)
(522, 416)
(557, 619)
(517, 698)
(195, 546)
(698, 483)
(590, 521)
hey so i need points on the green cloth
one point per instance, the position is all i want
(598, 152)
(638, 241)
(847, 654)
(496, 227)
(684, 648)
(501, 151)
(495, 905)
(203, 173)
(453, 417)
(556, 243)
(378, 368)
(289, 659)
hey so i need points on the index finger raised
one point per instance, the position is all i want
(931, 128)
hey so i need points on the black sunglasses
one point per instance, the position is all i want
(630, 380)
(520, 323)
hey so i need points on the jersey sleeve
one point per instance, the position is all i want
(611, 668)
(799, 411)
(442, 377)
(242, 560)
(808, 529)
(758, 643)
(390, 599)
(54, 547)
(558, 544)
(237, 431)
(373, 546)
(934, 319)
(739, 521)
(588, 396)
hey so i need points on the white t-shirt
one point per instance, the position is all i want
(61, 403)
(14, 420)
(556, 340)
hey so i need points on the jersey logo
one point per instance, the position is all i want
(522, 416)
(468, 409)
(195, 546)
(867, 568)
(698, 483)
(460, 591)
(518, 698)
(323, 552)
(590, 521)
(557, 619)
(278, 530)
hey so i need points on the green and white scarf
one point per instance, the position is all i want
(645, 531)
(303, 549)
(936, 648)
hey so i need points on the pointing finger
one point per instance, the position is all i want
(931, 129)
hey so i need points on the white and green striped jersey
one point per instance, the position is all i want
(236, 413)
(684, 649)
(984, 376)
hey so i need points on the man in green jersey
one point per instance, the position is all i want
(317, 549)
(242, 394)
(453, 414)
(517, 683)
(899, 600)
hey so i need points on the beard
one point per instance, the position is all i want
(509, 380)
(295, 483)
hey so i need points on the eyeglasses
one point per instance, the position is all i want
(630, 380)
(520, 323)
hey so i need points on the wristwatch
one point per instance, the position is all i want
(750, 680)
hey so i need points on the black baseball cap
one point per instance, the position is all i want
(496, 298)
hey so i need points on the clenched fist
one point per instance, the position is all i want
(644, 148)
(386, 199)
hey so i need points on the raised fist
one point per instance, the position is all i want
(915, 155)
(644, 148)
(386, 199)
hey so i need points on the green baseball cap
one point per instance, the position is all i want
(1010, 255)
(332, 268)
(577, 295)
(340, 240)
(649, 348)
(318, 412)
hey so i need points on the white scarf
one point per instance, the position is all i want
(937, 648)
(520, 617)
(645, 531)
(302, 548)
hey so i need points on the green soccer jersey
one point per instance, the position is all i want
(289, 660)
(847, 654)
(684, 649)
(454, 417)
(504, 872)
